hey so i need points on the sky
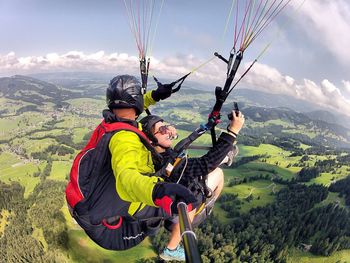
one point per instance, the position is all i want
(309, 56)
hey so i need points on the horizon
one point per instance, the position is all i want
(56, 77)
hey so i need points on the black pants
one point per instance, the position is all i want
(121, 233)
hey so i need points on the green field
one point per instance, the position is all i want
(284, 124)
(33, 145)
(311, 134)
(262, 192)
(272, 155)
(53, 132)
(38, 234)
(60, 170)
(88, 104)
(5, 214)
(221, 214)
(21, 123)
(78, 134)
(258, 168)
(14, 169)
(297, 256)
(324, 179)
(12, 106)
(205, 139)
(332, 198)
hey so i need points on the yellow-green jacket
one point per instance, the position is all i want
(133, 167)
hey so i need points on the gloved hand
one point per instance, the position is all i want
(168, 195)
(163, 91)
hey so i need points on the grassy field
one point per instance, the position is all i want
(274, 155)
(34, 145)
(284, 124)
(38, 234)
(23, 122)
(257, 168)
(332, 198)
(14, 169)
(311, 134)
(324, 179)
(297, 256)
(5, 214)
(7, 160)
(59, 170)
(12, 106)
(327, 178)
(221, 215)
(75, 121)
(262, 192)
(89, 105)
(53, 132)
(205, 139)
(262, 149)
(304, 146)
(78, 134)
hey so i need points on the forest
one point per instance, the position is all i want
(266, 234)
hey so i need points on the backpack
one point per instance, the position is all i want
(91, 192)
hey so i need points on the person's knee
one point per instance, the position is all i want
(216, 179)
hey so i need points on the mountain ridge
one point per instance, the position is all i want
(38, 92)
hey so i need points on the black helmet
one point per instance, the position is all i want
(125, 91)
(147, 123)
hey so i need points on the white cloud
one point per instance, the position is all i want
(170, 67)
(261, 77)
(346, 87)
(328, 22)
(325, 94)
(270, 80)
(71, 61)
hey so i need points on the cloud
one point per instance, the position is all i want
(71, 61)
(346, 87)
(210, 72)
(170, 67)
(328, 22)
(325, 94)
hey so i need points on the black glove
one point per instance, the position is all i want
(168, 195)
(163, 91)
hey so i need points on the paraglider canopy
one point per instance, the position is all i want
(143, 16)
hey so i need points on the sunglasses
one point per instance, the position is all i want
(162, 130)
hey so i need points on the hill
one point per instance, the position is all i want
(82, 80)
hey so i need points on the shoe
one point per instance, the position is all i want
(177, 254)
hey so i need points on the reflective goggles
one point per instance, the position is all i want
(164, 130)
